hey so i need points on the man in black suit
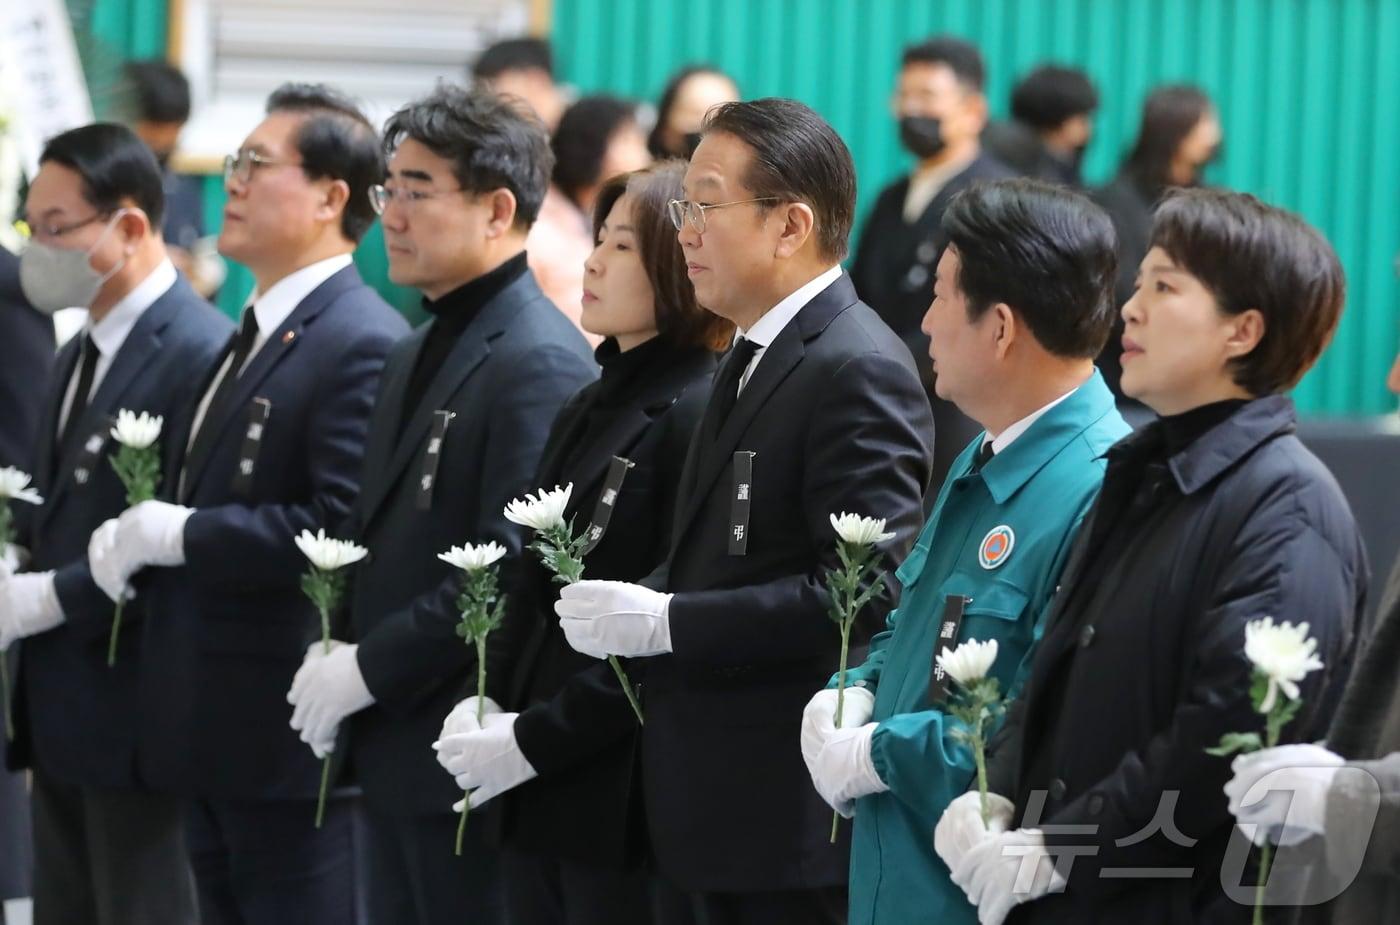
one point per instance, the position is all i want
(271, 447)
(456, 433)
(95, 207)
(941, 109)
(817, 410)
(26, 363)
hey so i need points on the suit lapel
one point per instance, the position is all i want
(386, 422)
(278, 346)
(44, 471)
(135, 355)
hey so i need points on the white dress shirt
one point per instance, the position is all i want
(1004, 439)
(766, 329)
(271, 309)
(111, 332)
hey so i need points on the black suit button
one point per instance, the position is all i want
(1086, 637)
(1096, 804)
(1058, 789)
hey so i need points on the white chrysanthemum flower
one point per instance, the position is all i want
(969, 662)
(137, 431)
(1284, 653)
(864, 531)
(329, 554)
(470, 558)
(540, 513)
(14, 486)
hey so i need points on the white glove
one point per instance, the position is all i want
(28, 606)
(463, 719)
(1006, 870)
(602, 618)
(960, 827)
(12, 559)
(151, 533)
(819, 719)
(107, 564)
(1282, 792)
(487, 762)
(326, 689)
(843, 770)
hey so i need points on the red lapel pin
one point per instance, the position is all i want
(289, 337)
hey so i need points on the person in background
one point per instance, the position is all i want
(95, 209)
(272, 445)
(597, 138)
(1333, 806)
(1179, 136)
(941, 109)
(688, 95)
(1211, 517)
(26, 365)
(160, 107)
(1052, 123)
(1022, 304)
(523, 68)
(565, 753)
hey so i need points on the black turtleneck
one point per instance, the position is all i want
(621, 372)
(1181, 430)
(451, 315)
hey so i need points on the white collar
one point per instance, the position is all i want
(111, 332)
(273, 307)
(1006, 437)
(766, 329)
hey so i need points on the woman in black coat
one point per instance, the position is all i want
(570, 829)
(1212, 516)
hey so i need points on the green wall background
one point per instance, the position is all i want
(1308, 90)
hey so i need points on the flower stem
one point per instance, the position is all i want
(325, 785)
(1266, 854)
(626, 687)
(979, 755)
(462, 825)
(116, 631)
(841, 699)
(5, 692)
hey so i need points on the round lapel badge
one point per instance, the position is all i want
(996, 547)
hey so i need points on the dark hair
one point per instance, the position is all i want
(668, 102)
(797, 157)
(1051, 95)
(961, 57)
(115, 167)
(335, 140)
(492, 142)
(679, 318)
(162, 92)
(1168, 116)
(1253, 255)
(522, 54)
(1047, 252)
(580, 141)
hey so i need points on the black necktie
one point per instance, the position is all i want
(240, 346)
(984, 453)
(87, 369)
(726, 391)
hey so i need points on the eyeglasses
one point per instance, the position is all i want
(683, 210)
(380, 196)
(240, 166)
(46, 232)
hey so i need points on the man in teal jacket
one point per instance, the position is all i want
(1022, 304)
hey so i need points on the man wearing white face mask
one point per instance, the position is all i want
(95, 209)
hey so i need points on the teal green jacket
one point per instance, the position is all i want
(1032, 497)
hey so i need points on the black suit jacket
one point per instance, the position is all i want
(26, 363)
(227, 631)
(81, 720)
(575, 725)
(506, 378)
(837, 421)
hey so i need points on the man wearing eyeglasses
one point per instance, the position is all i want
(94, 210)
(817, 410)
(271, 446)
(457, 432)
